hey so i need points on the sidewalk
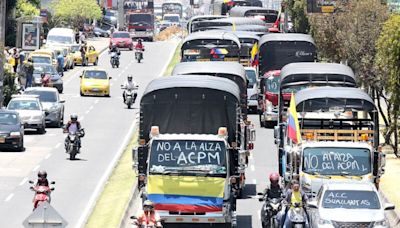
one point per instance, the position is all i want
(99, 43)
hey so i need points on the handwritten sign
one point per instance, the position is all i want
(350, 199)
(178, 153)
(337, 160)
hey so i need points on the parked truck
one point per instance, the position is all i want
(188, 161)
(139, 19)
(340, 139)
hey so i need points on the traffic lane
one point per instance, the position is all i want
(262, 162)
(76, 180)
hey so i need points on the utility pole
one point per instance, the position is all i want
(2, 43)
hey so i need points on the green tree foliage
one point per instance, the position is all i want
(27, 8)
(387, 61)
(77, 11)
(299, 16)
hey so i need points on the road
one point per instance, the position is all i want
(107, 122)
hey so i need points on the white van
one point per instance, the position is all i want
(61, 36)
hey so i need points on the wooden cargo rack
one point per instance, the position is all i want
(337, 135)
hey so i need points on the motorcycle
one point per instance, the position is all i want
(130, 95)
(114, 59)
(42, 194)
(139, 54)
(297, 217)
(137, 225)
(72, 146)
(269, 212)
(45, 80)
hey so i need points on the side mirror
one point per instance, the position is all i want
(31, 182)
(53, 182)
(388, 206)
(253, 135)
(52, 189)
(109, 77)
(62, 101)
(133, 217)
(312, 204)
(80, 76)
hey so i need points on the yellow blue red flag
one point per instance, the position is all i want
(293, 127)
(254, 54)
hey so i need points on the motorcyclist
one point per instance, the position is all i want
(114, 48)
(148, 216)
(274, 190)
(73, 126)
(293, 196)
(129, 84)
(42, 179)
(139, 45)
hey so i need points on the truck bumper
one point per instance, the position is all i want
(141, 35)
(213, 217)
(271, 116)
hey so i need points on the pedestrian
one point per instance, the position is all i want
(60, 63)
(29, 72)
(83, 53)
(82, 37)
(15, 55)
(21, 57)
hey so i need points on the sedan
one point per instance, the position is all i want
(30, 111)
(99, 32)
(52, 105)
(11, 131)
(349, 204)
(95, 82)
(121, 40)
(55, 78)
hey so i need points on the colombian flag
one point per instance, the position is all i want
(218, 52)
(254, 54)
(293, 128)
(229, 2)
(186, 193)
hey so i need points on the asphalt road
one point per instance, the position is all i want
(107, 123)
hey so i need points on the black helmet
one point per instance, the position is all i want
(42, 174)
(130, 77)
(74, 117)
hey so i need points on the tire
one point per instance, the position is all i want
(60, 123)
(138, 60)
(96, 62)
(262, 123)
(80, 92)
(72, 155)
(131, 48)
(21, 146)
(129, 106)
(42, 130)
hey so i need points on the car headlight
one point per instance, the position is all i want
(53, 108)
(382, 223)
(269, 107)
(15, 133)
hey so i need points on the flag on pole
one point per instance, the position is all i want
(293, 127)
(254, 54)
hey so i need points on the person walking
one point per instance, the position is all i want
(29, 72)
(60, 63)
(15, 55)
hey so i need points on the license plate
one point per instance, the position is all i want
(95, 90)
(2, 140)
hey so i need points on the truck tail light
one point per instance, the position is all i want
(251, 146)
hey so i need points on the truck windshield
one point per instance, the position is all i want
(337, 161)
(144, 19)
(189, 156)
(171, 18)
(350, 199)
(210, 50)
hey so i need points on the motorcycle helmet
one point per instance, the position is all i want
(74, 117)
(130, 78)
(148, 205)
(274, 178)
(42, 174)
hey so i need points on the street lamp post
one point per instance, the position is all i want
(2, 43)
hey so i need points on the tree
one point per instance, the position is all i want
(298, 15)
(387, 60)
(27, 8)
(77, 11)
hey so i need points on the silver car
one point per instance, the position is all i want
(30, 111)
(349, 204)
(52, 105)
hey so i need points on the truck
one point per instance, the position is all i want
(139, 19)
(187, 159)
(172, 8)
(340, 139)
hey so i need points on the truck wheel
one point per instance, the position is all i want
(261, 122)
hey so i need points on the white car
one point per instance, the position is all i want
(30, 111)
(252, 89)
(348, 204)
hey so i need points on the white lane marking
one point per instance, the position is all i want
(91, 107)
(103, 179)
(47, 156)
(96, 101)
(254, 181)
(23, 181)
(126, 68)
(83, 117)
(111, 84)
(36, 168)
(9, 197)
(87, 111)
(57, 145)
(252, 168)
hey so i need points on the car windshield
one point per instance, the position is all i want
(75, 48)
(350, 199)
(23, 105)
(38, 69)
(8, 119)
(41, 59)
(336, 161)
(95, 74)
(121, 35)
(44, 96)
(197, 156)
(251, 77)
(110, 13)
(59, 39)
(171, 18)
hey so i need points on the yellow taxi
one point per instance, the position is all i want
(95, 82)
(92, 56)
(44, 56)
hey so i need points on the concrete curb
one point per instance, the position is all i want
(393, 216)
